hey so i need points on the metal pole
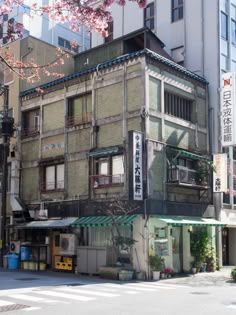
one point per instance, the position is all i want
(4, 176)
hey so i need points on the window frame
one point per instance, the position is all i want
(179, 8)
(57, 184)
(110, 31)
(224, 31)
(66, 45)
(28, 120)
(178, 106)
(233, 32)
(104, 180)
(86, 116)
(149, 18)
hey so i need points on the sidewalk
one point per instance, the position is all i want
(14, 279)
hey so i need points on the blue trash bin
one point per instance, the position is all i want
(25, 252)
(13, 261)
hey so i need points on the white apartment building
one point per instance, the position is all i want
(41, 27)
(201, 36)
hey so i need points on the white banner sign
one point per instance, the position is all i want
(228, 111)
(137, 166)
(220, 172)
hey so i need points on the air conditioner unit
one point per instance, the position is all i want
(182, 174)
(68, 244)
(15, 247)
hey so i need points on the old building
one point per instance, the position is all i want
(123, 142)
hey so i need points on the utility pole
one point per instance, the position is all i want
(6, 132)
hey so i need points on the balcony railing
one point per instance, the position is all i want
(78, 120)
(52, 186)
(29, 132)
(183, 175)
(98, 181)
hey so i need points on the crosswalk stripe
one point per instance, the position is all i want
(167, 284)
(33, 308)
(128, 286)
(5, 303)
(31, 298)
(65, 295)
(115, 290)
(81, 291)
(151, 286)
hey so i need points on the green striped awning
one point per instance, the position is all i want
(104, 151)
(180, 221)
(104, 221)
(190, 155)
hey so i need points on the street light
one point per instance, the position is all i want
(6, 129)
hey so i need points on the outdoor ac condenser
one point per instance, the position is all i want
(68, 244)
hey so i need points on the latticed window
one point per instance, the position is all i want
(149, 18)
(178, 106)
(177, 10)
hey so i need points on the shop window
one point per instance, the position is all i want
(195, 238)
(79, 110)
(64, 43)
(53, 178)
(30, 123)
(149, 18)
(109, 171)
(161, 244)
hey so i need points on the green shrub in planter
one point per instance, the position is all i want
(156, 263)
(233, 273)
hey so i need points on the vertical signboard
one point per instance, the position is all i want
(228, 111)
(220, 172)
(136, 165)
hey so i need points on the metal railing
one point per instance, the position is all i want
(106, 180)
(78, 119)
(52, 186)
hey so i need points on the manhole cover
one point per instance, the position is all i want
(200, 293)
(27, 279)
(12, 307)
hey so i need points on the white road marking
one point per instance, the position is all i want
(128, 286)
(231, 306)
(5, 303)
(113, 290)
(151, 286)
(33, 308)
(65, 295)
(32, 298)
(81, 291)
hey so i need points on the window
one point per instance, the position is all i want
(64, 43)
(109, 171)
(54, 177)
(31, 123)
(224, 26)
(233, 32)
(149, 19)
(109, 29)
(177, 10)
(79, 110)
(178, 106)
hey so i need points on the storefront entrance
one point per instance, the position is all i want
(177, 248)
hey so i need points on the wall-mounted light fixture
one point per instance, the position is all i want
(190, 229)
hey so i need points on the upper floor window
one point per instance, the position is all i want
(30, 122)
(109, 29)
(64, 43)
(178, 106)
(233, 32)
(53, 178)
(108, 171)
(224, 26)
(177, 10)
(149, 19)
(79, 110)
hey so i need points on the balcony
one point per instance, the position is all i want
(77, 120)
(29, 132)
(99, 181)
(184, 176)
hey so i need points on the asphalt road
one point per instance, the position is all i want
(53, 293)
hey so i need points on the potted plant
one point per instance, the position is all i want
(233, 273)
(168, 271)
(157, 265)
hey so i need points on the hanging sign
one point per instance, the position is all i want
(220, 172)
(228, 112)
(137, 166)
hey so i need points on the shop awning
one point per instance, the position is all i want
(180, 221)
(48, 224)
(190, 155)
(104, 151)
(104, 221)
